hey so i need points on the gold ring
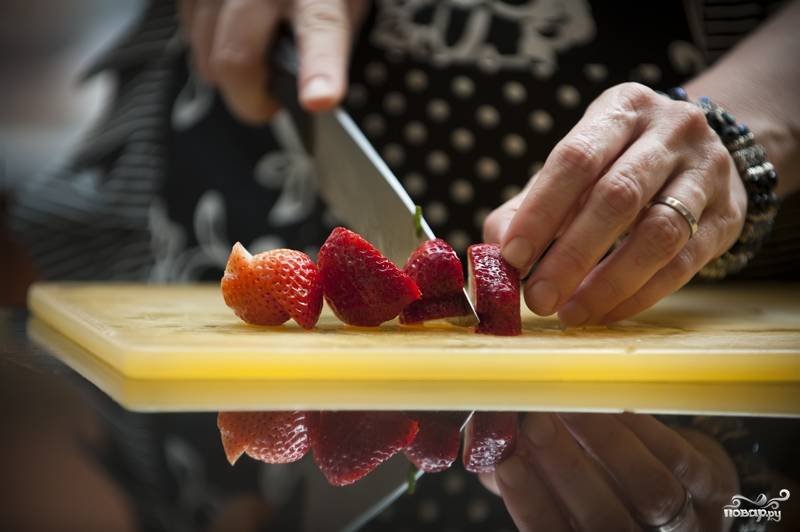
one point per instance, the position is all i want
(678, 206)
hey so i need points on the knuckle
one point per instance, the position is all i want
(683, 268)
(234, 61)
(663, 236)
(690, 120)
(319, 15)
(578, 154)
(635, 96)
(660, 500)
(620, 195)
(719, 160)
(572, 258)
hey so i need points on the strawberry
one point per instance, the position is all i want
(489, 438)
(436, 269)
(272, 437)
(362, 286)
(271, 287)
(436, 445)
(349, 445)
(494, 286)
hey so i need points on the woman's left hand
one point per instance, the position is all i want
(613, 472)
(631, 146)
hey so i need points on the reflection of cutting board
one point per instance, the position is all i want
(723, 335)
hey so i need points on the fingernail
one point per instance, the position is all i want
(543, 296)
(573, 315)
(539, 429)
(318, 88)
(518, 252)
(512, 472)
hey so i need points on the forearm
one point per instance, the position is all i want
(759, 82)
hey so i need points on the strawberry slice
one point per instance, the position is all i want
(436, 269)
(494, 286)
(489, 438)
(362, 286)
(271, 287)
(436, 445)
(272, 437)
(349, 445)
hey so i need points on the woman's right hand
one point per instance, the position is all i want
(229, 40)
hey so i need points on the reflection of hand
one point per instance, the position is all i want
(613, 472)
(631, 146)
(229, 41)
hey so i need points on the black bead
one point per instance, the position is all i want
(743, 129)
(728, 118)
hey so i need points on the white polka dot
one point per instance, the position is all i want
(648, 73)
(543, 71)
(462, 139)
(536, 166)
(415, 132)
(462, 191)
(515, 92)
(487, 116)
(394, 103)
(375, 73)
(393, 154)
(356, 95)
(568, 96)
(374, 124)
(415, 184)
(436, 213)
(477, 510)
(438, 110)
(438, 162)
(416, 80)
(514, 145)
(541, 121)
(463, 87)
(595, 72)
(480, 216)
(458, 239)
(454, 483)
(487, 169)
(489, 63)
(509, 192)
(428, 511)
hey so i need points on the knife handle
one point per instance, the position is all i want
(283, 66)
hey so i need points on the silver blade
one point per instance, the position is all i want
(364, 194)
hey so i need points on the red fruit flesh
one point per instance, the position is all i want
(489, 438)
(436, 445)
(436, 269)
(494, 286)
(272, 437)
(349, 445)
(362, 286)
(271, 287)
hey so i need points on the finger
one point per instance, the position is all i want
(659, 234)
(489, 482)
(185, 15)
(528, 500)
(573, 476)
(704, 245)
(243, 34)
(204, 14)
(652, 492)
(577, 161)
(323, 32)
(612, 205)
(691, 468)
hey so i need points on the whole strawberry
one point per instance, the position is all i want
(436, 445)
(489, 438)
(362, 286)
(494, 287)
(436, 269)
(271, 287)
(349, 445)
(272, 437)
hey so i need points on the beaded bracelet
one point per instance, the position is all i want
(759, 178)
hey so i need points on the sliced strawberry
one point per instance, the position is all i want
(349, 445)
(436, 445)
(489, 438)
(271, 287)
(436, 269)
(494, 286)
(362, 286)
(272, 437)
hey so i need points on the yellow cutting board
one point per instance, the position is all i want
(184, 337)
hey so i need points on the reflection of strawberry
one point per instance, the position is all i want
(494, 287)
(349, 445)
(435, 447)
(271, 287)
(436, 269)
(362, 286)
(489, 438)
(272, 437)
